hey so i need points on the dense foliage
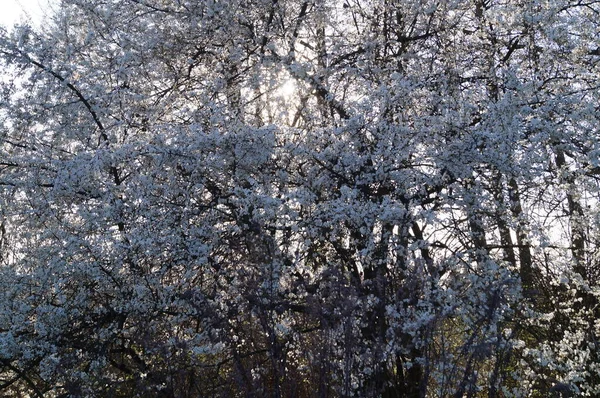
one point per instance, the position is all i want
(295, 198)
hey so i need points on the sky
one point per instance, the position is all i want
(12, 11)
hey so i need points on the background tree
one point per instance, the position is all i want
(297, 198)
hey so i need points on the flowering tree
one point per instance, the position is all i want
(299, 198)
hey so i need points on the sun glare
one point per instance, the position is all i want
(287, 89)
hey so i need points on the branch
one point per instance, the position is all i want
(75, 91)
(37, 392)
(103, 136)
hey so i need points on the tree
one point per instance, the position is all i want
(296, 198)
